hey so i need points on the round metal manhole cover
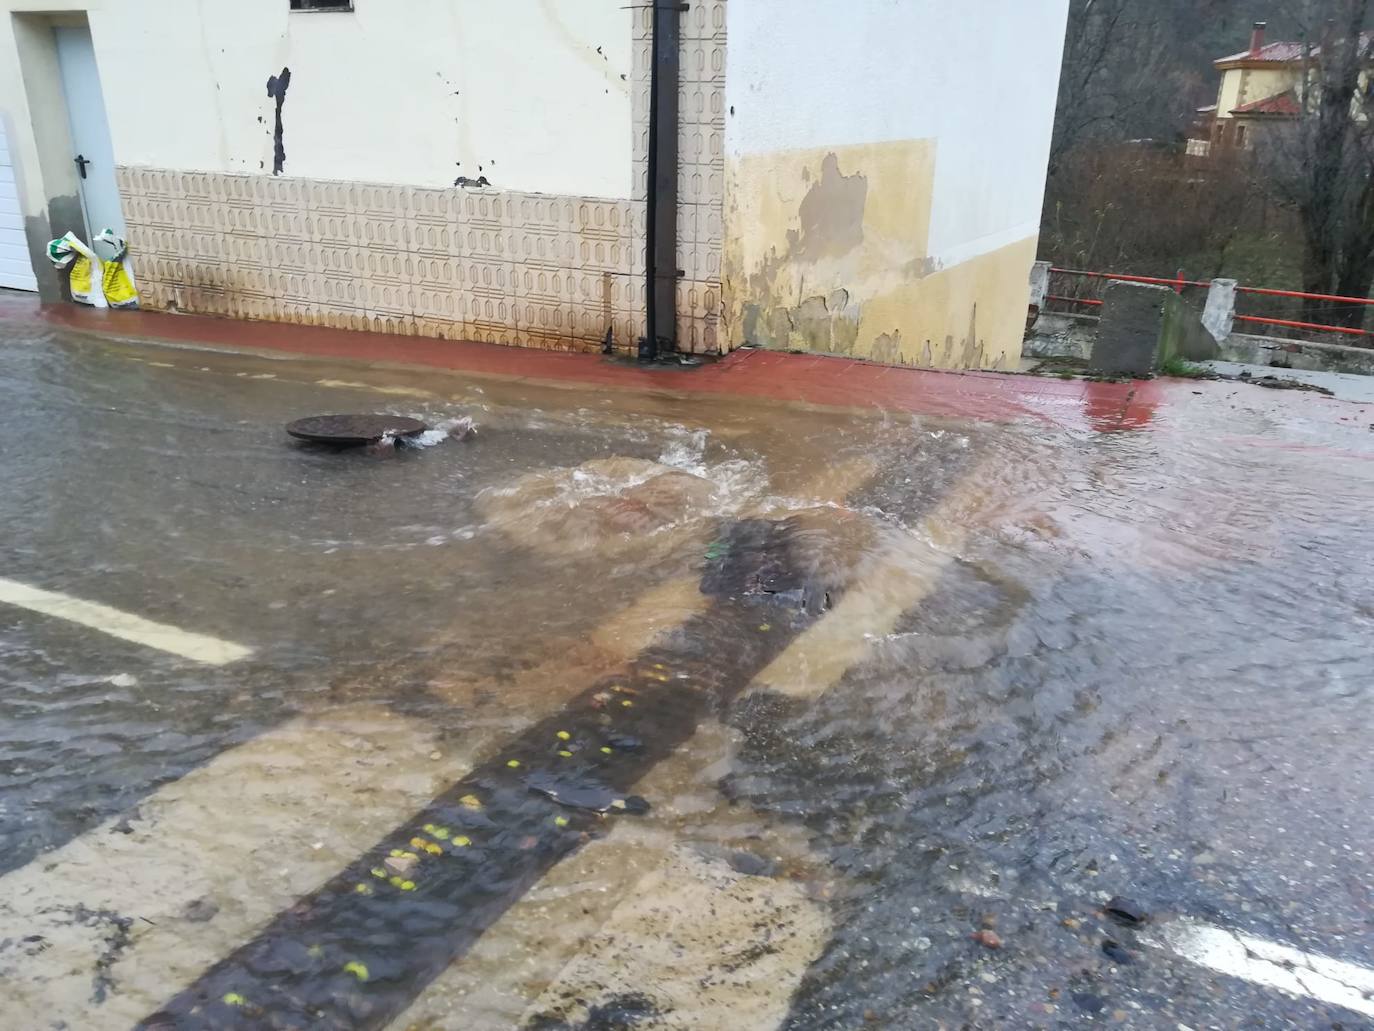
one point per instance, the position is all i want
(346, 430)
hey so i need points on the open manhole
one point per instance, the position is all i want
(354, 430)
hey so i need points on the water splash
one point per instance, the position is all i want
(686, 450)
(457, 428)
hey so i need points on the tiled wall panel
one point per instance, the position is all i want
(512, 268)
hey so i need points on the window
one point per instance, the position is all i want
(1240, 136)
(321, 5)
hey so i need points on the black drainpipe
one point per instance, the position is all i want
(661, 231)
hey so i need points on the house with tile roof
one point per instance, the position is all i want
(1259, 86)
(1260, 89)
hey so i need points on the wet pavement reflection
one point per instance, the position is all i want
(655, 710)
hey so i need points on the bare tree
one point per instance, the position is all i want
(1094, 100)
(1133, 69)
(1322, 165)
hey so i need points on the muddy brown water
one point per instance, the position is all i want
(1050, 665)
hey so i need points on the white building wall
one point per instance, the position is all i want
(388, 105)
(533, 94)
(954, 101)
(934, 116)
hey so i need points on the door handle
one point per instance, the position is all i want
(81, 162)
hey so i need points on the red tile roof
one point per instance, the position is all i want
(1279, 53)
(1285, 104)
(1286, 52)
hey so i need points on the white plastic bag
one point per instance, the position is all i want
(85, 270)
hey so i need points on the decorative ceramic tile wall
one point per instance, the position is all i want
(483, 264)
(497, 266)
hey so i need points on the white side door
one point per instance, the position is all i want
(16, 271)
(94, 153)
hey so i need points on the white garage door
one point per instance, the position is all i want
(16, 271)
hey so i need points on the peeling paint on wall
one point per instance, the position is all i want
(827, 251)
(831, 213)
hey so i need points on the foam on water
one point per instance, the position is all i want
(457, 428)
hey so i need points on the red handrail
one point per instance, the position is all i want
(1179, 281)
(1264, 292)
(1305, 325)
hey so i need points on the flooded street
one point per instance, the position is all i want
(667, 710)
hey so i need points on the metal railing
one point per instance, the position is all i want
(1179, 283)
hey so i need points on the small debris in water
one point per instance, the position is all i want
(585, 795)
(751, 865)
(1279, 383)
(988, 939)
(1115, 952)
(1088, 1002)
(1126, 912)
(200, 910)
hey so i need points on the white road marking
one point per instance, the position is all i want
(1290, 970)
(125, 625)
(1306, 975)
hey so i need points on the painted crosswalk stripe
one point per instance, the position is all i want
(410, 905)
(655, 909)
(201, 648)
(696, 944)
(1293, 971)
(96, 933)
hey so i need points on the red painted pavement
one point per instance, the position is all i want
(845, 382)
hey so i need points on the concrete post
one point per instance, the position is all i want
(1219, 317)
(1142, 327)
(1039, 284)
(1128, 337)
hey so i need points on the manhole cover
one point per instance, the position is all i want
(345, 430)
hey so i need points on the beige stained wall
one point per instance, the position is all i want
(1241, 86)
(827, 252)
